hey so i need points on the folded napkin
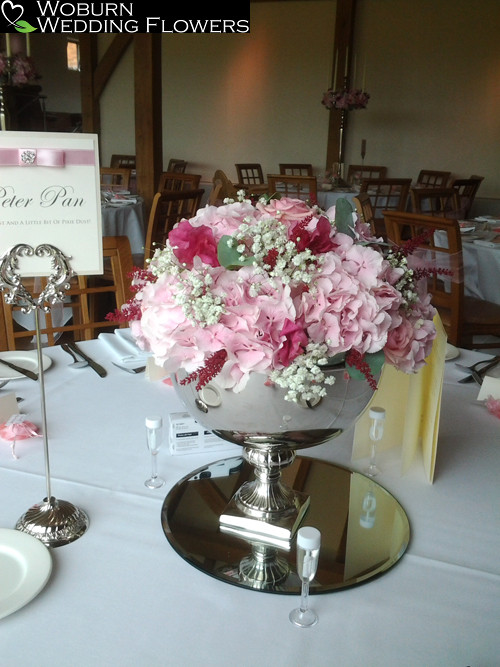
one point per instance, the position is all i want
(412, 403)
(124, 349)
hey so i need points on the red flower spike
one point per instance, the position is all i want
(271, 258)
(356, 359)
(213, 366)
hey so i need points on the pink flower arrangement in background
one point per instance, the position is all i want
(279, 288)
(22, 69)
(348, 100)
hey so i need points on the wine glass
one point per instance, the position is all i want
(308, 544)
(377, 416)
(154, 437)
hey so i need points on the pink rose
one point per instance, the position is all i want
(286, 209)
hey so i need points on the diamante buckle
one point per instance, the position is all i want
(28, 156)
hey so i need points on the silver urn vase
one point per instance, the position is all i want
(270, 429)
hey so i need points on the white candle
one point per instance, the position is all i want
(334, 81)
(364, 75)
(7, 43)
(354, 72)
(28, 45)
(346, 60)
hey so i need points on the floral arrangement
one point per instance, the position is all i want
(348, 100)
(22, 69)
(280, 288)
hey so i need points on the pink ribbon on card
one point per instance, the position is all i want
(45, 157)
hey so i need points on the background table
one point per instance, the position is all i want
(328, 198)
(120, 596)
(126, 220)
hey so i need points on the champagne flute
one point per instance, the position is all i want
(308, 544)
(377, 416)
(154, 437)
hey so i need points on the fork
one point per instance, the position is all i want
(137, 369)
(474, 367)
(478, 375)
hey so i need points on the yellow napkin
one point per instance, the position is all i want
(412, 403)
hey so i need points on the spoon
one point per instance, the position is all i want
(77, 363)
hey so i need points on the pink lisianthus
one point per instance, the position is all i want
(295, 341)
(189, 242)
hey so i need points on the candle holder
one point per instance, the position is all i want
(54, 522)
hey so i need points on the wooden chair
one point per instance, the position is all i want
(179, 166)
(297, 187)
(433, 179)
(114, 178)
(222, 189)
(89, 299)
(386, 194)
(169, 208)
(463, 317)
(360, 171)
(174, 181)
(296, 169)
(437, 201)
(467, 189)
(364, 209)
(250, 178)
(122, 161)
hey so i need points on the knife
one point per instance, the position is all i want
(479, 375)
(93, 364)
(19, 369)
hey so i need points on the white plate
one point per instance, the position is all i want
(452, 352)
(25, 567)
(27, 359)
(466, 230)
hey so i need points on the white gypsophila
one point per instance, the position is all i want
(304, 378)
(198, 303)
(271, 235)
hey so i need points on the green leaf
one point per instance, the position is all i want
(343, 216)
(229, 257)
(24, 26)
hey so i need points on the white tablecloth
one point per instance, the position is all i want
(121, 597)
(328, 198)
(481, 271)
(481, 265)
(126, 220)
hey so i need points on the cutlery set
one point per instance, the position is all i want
(477, 371)
(82, 360)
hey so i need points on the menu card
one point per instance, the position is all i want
(50, 194)
(412, 403)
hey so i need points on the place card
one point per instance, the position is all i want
(50, 194)
(489, 388)
(8, 406)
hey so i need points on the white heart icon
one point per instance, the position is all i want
(12, 11)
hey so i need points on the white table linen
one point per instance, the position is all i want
(328, 198)
(126, 220)
(121, 596)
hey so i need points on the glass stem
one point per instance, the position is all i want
(374, 454)
(304, 596)
(154, 469)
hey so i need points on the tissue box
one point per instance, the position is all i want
(186, 436)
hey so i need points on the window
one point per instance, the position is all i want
(73, 55)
